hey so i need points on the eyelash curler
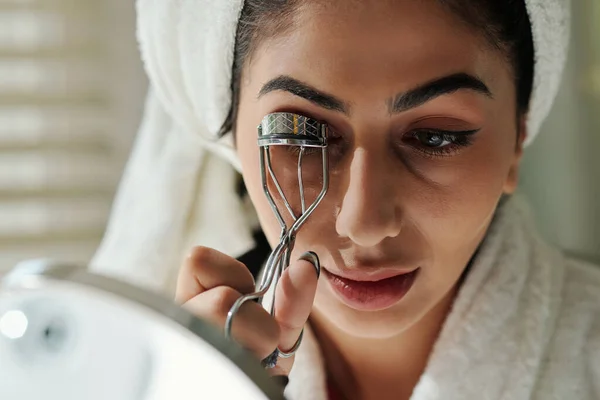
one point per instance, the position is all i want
(284, 129)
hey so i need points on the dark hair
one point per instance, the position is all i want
(504, 23)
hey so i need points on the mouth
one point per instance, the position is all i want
(371, 292)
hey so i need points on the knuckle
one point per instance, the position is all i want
(245, 270)
(199, 255)
(223, 298)
(246, 279)
(241, 269)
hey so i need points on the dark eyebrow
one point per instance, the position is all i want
(429, 91)
(301, 89)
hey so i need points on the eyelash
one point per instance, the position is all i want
(295, 150)
(457, 141)
(332, 139)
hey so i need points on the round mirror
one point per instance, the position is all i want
(66, 334)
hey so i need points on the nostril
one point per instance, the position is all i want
(367, 228)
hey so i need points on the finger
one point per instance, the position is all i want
(253, 327)
(294, 299)
(207, 268)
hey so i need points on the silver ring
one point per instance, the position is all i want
(271, 361)
(294, 349)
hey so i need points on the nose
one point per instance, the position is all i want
(369, 212)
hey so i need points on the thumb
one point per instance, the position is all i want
(294, 297)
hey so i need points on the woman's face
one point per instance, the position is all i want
(423, 144)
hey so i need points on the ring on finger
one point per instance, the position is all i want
(294, 349)
(271, 361)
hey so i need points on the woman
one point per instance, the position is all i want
(434, 285)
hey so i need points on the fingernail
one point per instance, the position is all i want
(312, 258)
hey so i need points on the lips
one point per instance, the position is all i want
(371, 291)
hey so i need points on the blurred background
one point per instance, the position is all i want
(71, 96)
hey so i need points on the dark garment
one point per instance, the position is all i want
(255, 258)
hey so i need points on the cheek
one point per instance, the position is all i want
(453, 209)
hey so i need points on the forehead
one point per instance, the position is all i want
(374, 46)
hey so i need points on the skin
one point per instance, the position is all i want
(390, 204)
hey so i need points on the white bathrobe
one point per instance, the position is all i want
(525, 325)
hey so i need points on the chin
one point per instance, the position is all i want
(381, 324)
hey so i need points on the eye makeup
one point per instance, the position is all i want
(439, 143)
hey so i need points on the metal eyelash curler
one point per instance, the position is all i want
(284, 129)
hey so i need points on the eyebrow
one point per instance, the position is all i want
(400, 103)
(436, 88)
(301, 89)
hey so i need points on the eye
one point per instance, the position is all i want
(295, 150)
(335, 145)
(439, 143)
(433, 139)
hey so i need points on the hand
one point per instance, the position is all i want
(210, 282)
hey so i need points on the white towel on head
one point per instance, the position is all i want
(178, 187)
(550, 24)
